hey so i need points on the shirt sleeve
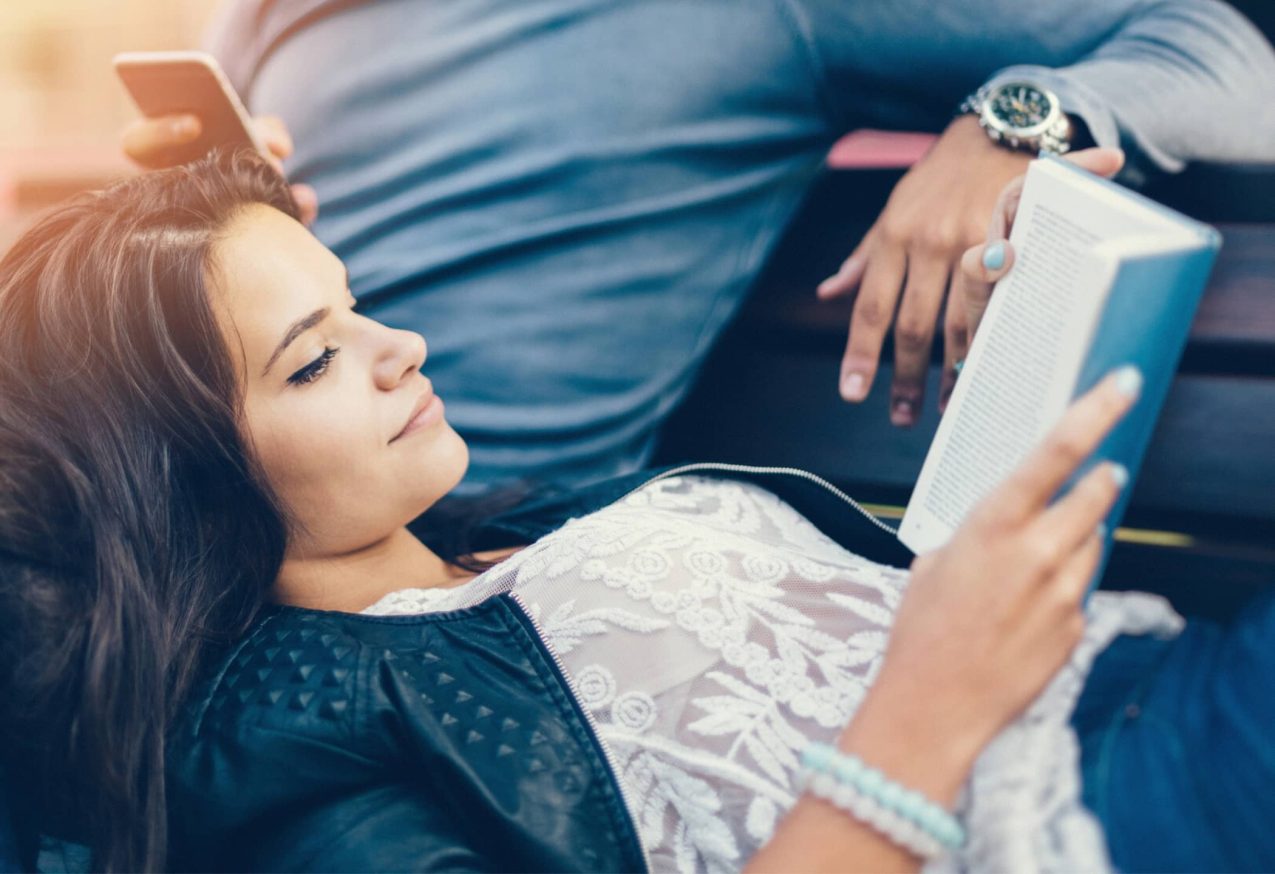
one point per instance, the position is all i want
(1171, 81)
(230, 38)
(1176, 82)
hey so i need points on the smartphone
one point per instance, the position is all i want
(168, 83)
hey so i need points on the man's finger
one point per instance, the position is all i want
(956, 336)
(274, 133)
(1102, 161)
(307, 203)
(850, 274)
(1087, 421)
(873, 312)
(914, 336)
(148, 141)
(981, 268)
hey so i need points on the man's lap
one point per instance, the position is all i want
(1175, 758)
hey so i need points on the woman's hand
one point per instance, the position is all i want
(985, 623)
(149, 142)
(984, 264)
(990, 618)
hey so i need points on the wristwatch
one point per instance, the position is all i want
(1023, 116)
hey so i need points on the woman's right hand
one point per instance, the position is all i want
(986, 622)
(149, 142)
(990, 618)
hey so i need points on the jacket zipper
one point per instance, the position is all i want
(767, 471)
(592, 723)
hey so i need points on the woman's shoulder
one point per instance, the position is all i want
(312, 705)
(329, 675)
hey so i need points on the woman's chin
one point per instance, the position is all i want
(434, 469)
(460, 462)
(447, 461)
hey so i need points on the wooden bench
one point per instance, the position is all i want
(1201, 525)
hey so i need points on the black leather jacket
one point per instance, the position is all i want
(333, 741)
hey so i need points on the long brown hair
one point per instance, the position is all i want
(135, 533)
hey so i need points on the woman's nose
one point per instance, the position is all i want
(403, 354)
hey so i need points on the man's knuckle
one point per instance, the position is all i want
(912, 335)
(870, 313)
(895, 230)
(939, 238)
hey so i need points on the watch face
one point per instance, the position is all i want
(1019, 107)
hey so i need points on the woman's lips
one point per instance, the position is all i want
(427, 412)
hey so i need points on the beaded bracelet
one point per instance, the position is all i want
(904, 816)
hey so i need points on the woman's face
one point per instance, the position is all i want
(349, 432)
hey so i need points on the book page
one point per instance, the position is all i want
(1021, 370)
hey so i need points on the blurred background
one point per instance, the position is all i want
(60, 104)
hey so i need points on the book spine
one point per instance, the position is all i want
(1145, 322)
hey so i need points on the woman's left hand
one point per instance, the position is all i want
(983, 265)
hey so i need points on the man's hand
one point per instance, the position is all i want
(938, 209)
(149, 142)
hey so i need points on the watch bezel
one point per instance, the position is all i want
(990, 119)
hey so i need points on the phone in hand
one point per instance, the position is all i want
(172, 83)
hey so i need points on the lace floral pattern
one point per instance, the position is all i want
(713, 632)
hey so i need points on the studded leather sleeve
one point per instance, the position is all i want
(327, 741)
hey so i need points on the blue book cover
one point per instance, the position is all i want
(1103, 277)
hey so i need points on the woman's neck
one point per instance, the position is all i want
(353, 581)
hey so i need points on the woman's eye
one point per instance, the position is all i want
(315, 368)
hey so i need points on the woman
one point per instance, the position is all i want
(227, 649)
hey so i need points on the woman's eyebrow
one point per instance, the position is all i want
(299, 327)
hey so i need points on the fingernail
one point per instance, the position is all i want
(184, 126)
(994, 256)
(1120, 475)
(903, 412)
(958, 367)
(1102, 531)
(853, 387)
(1129, 380)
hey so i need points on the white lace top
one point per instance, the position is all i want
(713, 632)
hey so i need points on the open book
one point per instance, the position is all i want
(1102, 277)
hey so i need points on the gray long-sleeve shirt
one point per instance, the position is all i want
(570, 198)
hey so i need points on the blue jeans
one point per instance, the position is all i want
(1178, 746)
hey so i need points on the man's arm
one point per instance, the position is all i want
(1170, 81)
(1178, 82)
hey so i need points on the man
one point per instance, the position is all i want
(570, 198)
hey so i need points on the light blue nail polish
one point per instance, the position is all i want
(1102, 531)
(994, 256)
(1120, 474)
(1129, 380)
